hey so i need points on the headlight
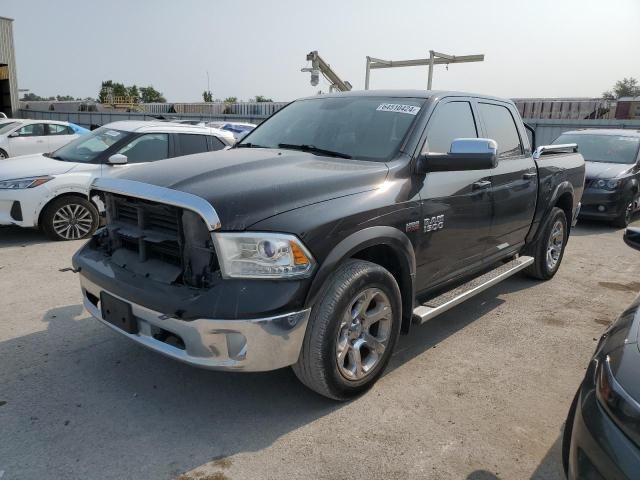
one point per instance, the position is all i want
(21, 183)
(608, 184)
(622, 407)
(262, 255)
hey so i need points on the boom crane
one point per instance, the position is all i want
(318, 65)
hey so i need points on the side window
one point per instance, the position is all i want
(55, 129)
(32, 130)
(215, 143)
(190, 144)
(501, 127)
(147, 148)
(450, 121)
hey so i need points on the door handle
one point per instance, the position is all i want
(480, 185)
(529, 175)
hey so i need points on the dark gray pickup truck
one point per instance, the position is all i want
(333, 226)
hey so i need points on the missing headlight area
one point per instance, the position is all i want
(164, 243)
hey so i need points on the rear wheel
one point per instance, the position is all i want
(548, 250)
(352, 331)
(3, 155)
(69, 218)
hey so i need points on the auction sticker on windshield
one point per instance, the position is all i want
(397, 107)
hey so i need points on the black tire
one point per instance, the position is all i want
(624, 218)
(567, 432)
(540, 269)
(318, 365)
(3, 155)
(80, 227)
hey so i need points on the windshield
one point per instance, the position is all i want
(88, 147)
(5, 127)
(603, 148)
(368, 128)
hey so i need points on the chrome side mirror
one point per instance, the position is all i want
(464, 154)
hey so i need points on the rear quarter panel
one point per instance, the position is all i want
(557, 174)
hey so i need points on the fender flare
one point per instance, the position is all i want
(561, 189)
(368, 237)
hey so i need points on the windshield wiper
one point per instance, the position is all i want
(313, 149)
(249, 145)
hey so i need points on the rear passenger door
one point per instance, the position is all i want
(456, 206)
(59, 135)
(192, 143)
(514, 181)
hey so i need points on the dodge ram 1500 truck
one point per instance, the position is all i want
(328, 230)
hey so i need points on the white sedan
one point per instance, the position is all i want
(25, 137)
(50, 190)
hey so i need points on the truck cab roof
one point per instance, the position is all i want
(408, 94)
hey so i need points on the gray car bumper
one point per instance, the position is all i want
(252, 345)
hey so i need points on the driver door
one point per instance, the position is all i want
(456, 206)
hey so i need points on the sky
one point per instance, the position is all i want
(536, 48)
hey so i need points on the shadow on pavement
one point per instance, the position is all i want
(20, 237)
(118, 409)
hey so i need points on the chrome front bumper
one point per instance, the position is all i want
(253, 345)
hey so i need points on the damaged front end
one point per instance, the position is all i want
(151, 233)
(152, 274)
(162, 242)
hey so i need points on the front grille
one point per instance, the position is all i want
(142, 236)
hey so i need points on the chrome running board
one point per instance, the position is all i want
(451, 298)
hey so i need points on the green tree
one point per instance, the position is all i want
(261, 98)
(231, 100)
(110, 87)
(207, 96)
(63, 98)
(151, 95)
(31, 97)
(627, 87)
(133, 91)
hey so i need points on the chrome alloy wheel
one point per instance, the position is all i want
(72, 221)
(364, 334)
(554, 247)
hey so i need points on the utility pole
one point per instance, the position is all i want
(435, 58)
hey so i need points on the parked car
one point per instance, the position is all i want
(612, 186)
(50, 190)
(26, 137)
(238, 129)
(602, 433)
(326, 231)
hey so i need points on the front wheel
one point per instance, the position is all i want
(69, 218)
(352, 331)
(624, 218)
(548, 250)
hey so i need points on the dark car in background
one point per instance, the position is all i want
(602, 432)
(613, 173)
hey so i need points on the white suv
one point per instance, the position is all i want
(50, 190)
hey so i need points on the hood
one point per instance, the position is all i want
(606, 170)
(32, 166)
(248, 185)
